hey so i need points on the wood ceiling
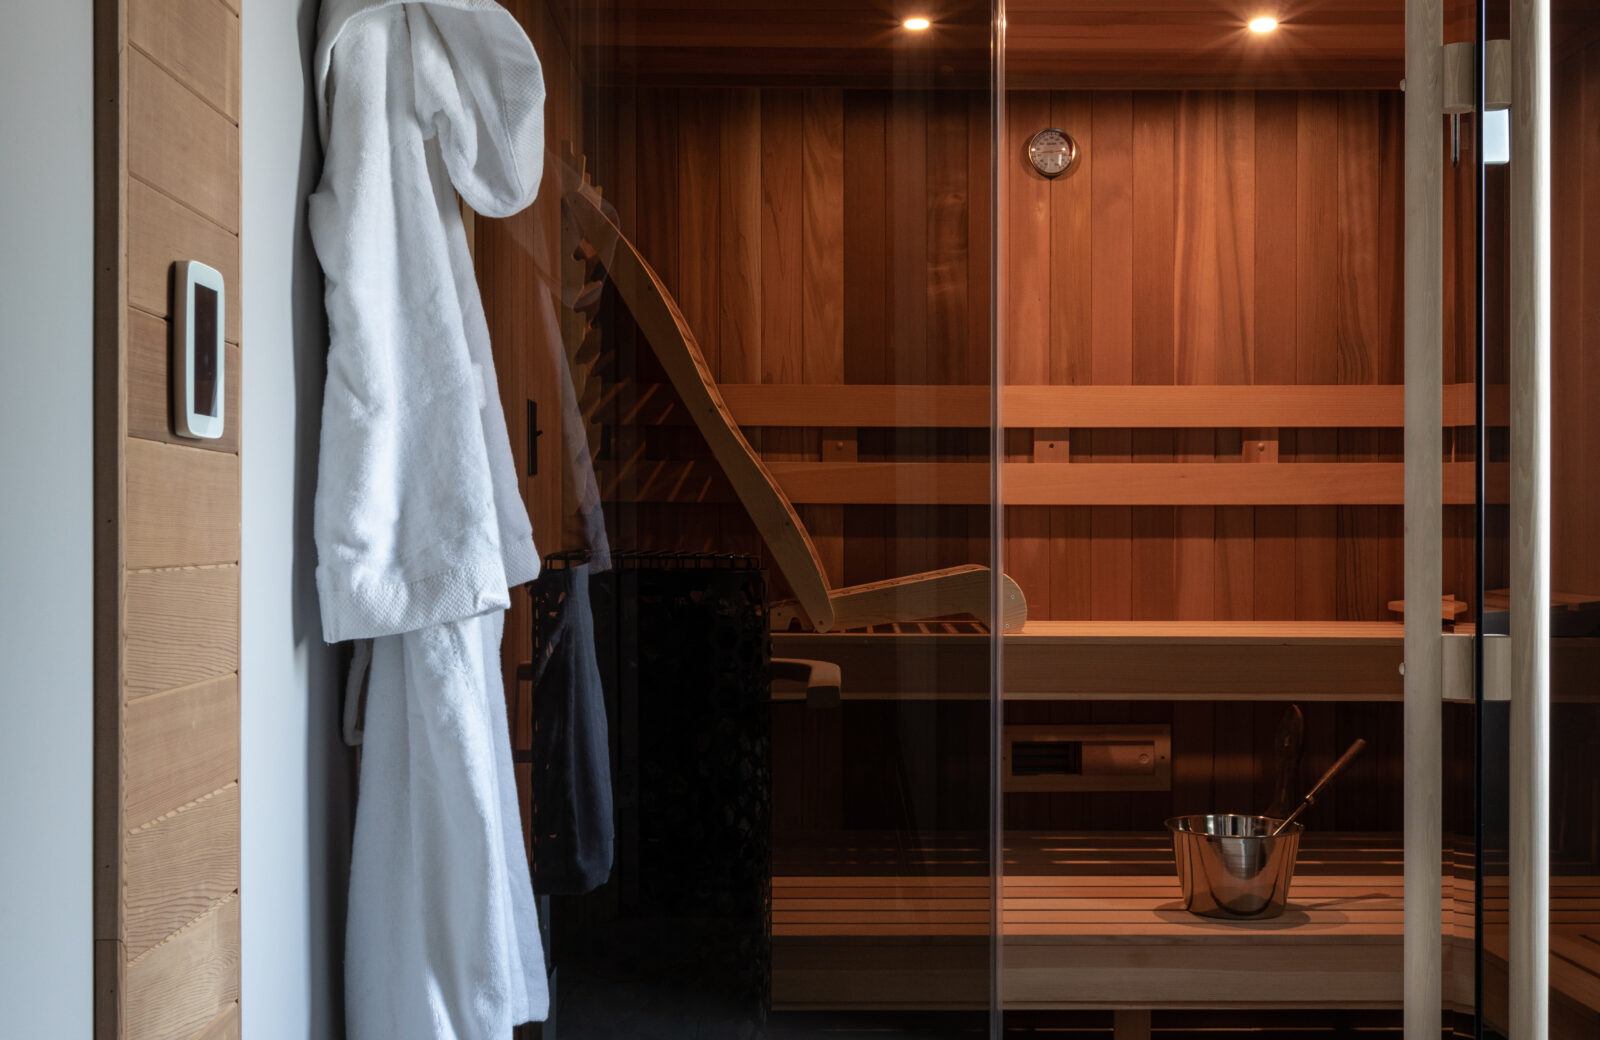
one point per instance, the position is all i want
(1051, 44)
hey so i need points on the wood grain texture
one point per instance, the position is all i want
(1423, 337)
(196, 41)
(180, 145)
(180, 746)
(182, 627)
(225, 1026)
(177, 988)
(1256, 410)
(1109, 486)
(1221, 248)
(149, 391)
(167, 618)
(740, 227)
(161, 231)
(182, 507)
(180, 867)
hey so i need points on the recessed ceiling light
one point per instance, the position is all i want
(916, 24)
(1263, 24)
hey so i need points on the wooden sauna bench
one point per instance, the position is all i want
(1090, 660)
(1090, 921)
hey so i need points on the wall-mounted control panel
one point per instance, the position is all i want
(197, 351)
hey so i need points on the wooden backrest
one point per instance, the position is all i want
(674, 344)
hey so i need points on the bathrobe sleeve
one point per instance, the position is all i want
(417, 519)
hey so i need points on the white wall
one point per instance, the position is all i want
(296, 780)
(46, 530)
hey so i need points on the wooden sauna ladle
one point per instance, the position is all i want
(1311, 795)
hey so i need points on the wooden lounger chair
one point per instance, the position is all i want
(918, 597)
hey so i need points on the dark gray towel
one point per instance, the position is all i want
(572, 819)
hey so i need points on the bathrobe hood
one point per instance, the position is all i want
(478, 83)
(418, 520)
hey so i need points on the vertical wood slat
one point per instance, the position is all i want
(1112, 337)
(111, 298)
(822, 289)
(1027, 358)
(1530, 213)
(1424, 240)
(1164, 217)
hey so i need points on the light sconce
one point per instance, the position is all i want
(1263, 24)
(916, 24)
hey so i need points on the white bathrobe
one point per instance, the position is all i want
(419, 526)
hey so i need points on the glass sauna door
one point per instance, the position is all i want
(1203, 366)
(744, 339)
(1534, 850)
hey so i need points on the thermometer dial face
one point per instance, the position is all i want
(1052, 152)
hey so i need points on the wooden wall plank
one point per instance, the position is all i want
(1316, 340)
(161, 231)
(179, 746)
(1071, 350)
(822, 235)
(907, 242)
(1028, 344)
(1071, 238)
(180, 145)
(182, 506)
(1106, 406)
(949, 333)
(740, 254)
(196, 41)
(149, 393)
(699, 211)
(177, 988)
(981, 201)
(224, 1027)
(1235, 209)
(822, 294)
(782, 242)
(1319, 486)
(866, 237)
(1111, 221)
(181, 866)
(1161, 310)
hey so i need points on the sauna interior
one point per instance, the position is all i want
(1162, 391)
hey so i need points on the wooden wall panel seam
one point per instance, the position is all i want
(183, 82)
(176, 141)
(185, 807)
(201, 214)
(183, 688)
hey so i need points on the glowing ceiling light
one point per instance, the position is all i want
(1263, 24)
(916, 24)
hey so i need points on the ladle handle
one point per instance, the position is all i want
(1311, 795)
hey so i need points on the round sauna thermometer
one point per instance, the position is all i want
(1052, 152)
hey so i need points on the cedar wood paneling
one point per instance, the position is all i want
(167, 559)
(1210, 238)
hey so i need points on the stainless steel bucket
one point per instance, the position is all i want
(1231, 866)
